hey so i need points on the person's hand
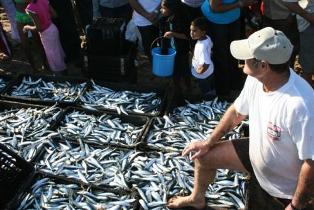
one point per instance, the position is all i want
(289, 207)
(200, 148)
(169, 34)
(27, 28)
(200, 70)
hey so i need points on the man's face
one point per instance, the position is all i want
(253, 67)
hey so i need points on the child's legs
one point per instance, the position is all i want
(207, 86)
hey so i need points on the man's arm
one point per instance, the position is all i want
(230, 120)
(140, 10)
(305, 187)
(295, 7)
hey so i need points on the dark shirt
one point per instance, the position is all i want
(178, 25)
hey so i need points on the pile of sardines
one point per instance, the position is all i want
(25, 130)
(94, 172)
(102, 128)
(123, 101)
(47, 90)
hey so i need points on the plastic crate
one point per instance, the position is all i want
(105, 36)
(112, 68)
(15, 173)
(131, 119)
(161, 93)
(75, 186)
(6, 93)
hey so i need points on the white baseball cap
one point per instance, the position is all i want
(266, 44)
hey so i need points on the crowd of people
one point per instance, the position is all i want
(214, 68)
(279, 103)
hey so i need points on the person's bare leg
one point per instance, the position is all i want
(222, 155)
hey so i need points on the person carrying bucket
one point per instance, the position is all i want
(175, 28)
(202, 65)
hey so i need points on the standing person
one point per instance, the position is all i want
(145, 16)
(41, 13)
(193, 7)
(224, 27)
(280, 151)
(175, 27)
(278, 16)
(202, 65)
(22, 19)
(306, 29)
(10, 10)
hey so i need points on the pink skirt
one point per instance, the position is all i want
(53, 49)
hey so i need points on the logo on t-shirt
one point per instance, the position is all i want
(273, 131)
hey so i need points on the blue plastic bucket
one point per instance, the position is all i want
(163, 64)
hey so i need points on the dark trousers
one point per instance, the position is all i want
(193, 12)
(227, 74)
(149, 34)
(124, 12)
(66, 24)
(289, 27)
(207, 86)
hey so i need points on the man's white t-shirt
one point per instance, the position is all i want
(281, 132)
(193, 3)
(149, 6)
(202, 55)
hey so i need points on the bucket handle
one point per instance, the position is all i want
(155, 40)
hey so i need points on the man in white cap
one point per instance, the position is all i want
(280, 150)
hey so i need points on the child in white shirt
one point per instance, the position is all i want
(202, 65)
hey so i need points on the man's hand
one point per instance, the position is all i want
(200, 148)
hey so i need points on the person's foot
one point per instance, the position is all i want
(186, 201)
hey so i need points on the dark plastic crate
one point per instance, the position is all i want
(6, 94)
(161, 93)
(105, 36)
(57, 180)
(112, 68)
(7, 80)
(15, 173)
(133, 119)
(15, 107)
